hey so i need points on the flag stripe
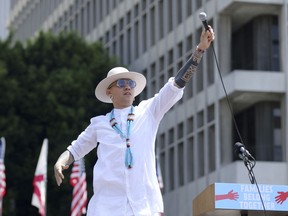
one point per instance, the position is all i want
(78, 181)
(2, 172)
(2, 179)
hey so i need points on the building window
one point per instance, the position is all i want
(189, 8)
(88, 18)
(170, 15)
(180, 130)
(121, 24)
(152, 70)
(189, 90)
(161, 63)
(277, 134)
(136, 10)
(211, 148)
(161, 19)
(162, 141)
(144, 94)
(179, 12)
(189, 43)
(107, 37)
(82, 21)
(201, 155)
(153, 87)
(114, 31)
(171, 169)
(161, 81)
(121, 48)
(200, 119)
(179, 50)
(190, 125)
(198, 4)
(260, 128)
(190, 159)
(107, 7)
(170, 57)
(152, 27)
(129, 45)
(136, 36)
(255, 46)
(144, 32)
(95, 12)
(180, 164)
(170, 73)
(211, 113)
(114, 3)
(144, 4)
(171, 135)
(128, 17)
(101, 14)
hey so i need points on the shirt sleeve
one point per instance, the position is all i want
(85, 142)
(168, 95)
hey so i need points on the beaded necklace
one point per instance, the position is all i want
(114, 125)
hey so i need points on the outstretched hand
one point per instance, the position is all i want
(58, 168)
(206, 38)
(63, 162)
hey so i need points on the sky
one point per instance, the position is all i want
(4, 16)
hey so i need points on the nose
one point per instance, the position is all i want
(127, 87)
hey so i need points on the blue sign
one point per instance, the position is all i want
(247, 197)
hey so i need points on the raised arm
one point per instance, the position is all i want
(189, 68)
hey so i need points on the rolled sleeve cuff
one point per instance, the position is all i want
(173, 84)
(73, 152)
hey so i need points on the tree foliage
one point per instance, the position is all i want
(46, 91)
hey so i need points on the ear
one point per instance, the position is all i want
(108, 92)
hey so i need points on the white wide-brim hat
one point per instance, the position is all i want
(115, 74)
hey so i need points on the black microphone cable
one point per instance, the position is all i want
(202, 17)
(248, 163)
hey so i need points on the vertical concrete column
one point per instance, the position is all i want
(224, 35)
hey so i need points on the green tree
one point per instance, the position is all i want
(46, 91)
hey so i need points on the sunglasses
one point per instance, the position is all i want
(121, 83)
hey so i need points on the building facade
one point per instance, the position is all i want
(4, 17)
(247, 62)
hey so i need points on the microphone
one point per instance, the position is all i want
(203, 18)
(242, 152)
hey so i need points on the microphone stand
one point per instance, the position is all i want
(250, 165)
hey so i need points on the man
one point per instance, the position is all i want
(124, 177)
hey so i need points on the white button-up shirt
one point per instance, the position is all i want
(120, 191)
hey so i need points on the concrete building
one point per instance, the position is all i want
(4, 17)
(196, 138)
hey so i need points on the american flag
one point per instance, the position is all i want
(2, 172)
(39, 181)
(78, 181)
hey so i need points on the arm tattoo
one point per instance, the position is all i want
(189, 68)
